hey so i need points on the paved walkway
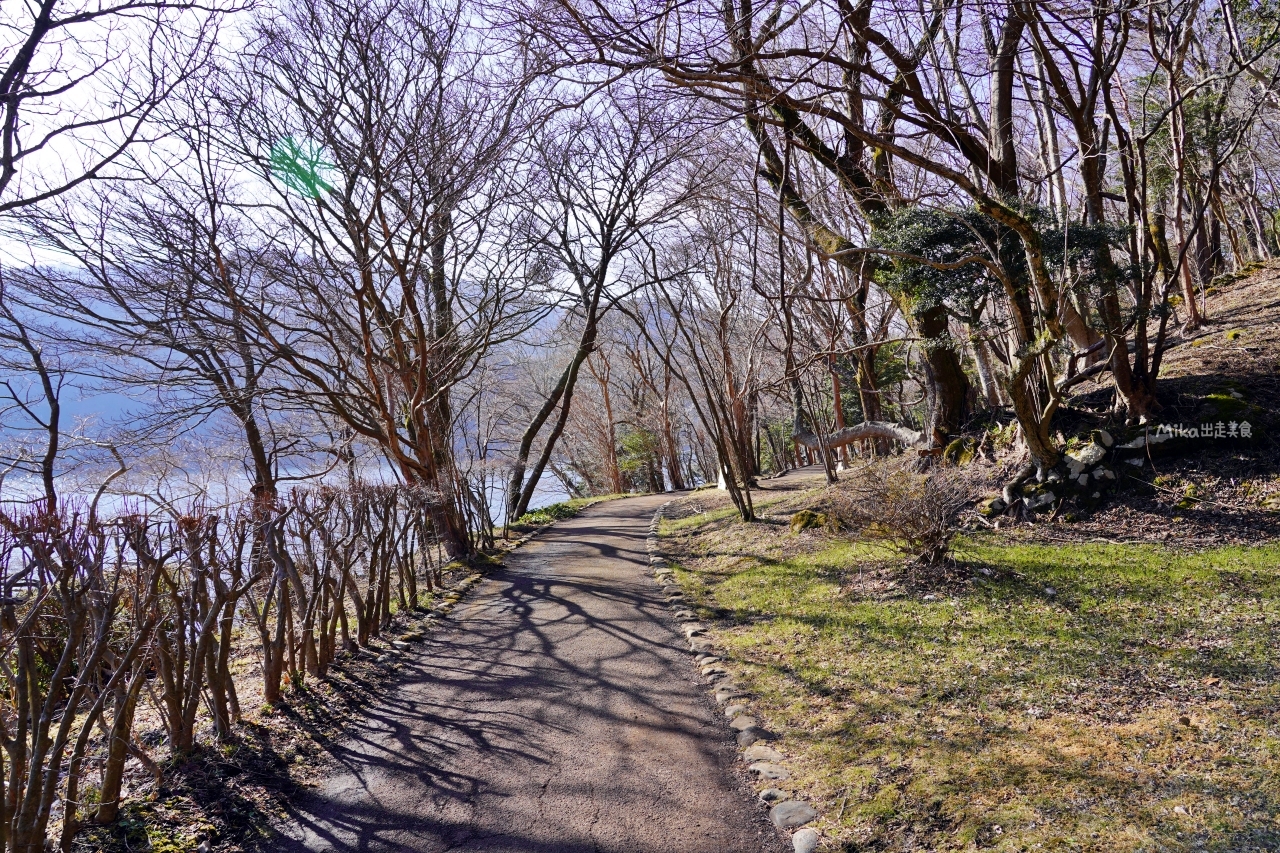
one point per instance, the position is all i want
(557, 713)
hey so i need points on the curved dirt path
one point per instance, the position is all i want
(555, 711)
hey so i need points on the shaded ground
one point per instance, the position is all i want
(558, 713)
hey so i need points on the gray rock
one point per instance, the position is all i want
(1087, 457)
(743, 723)
(734, 710)
(805, 840)
(700, 646)
(707, 660)
(747, 737)
(792, 813)
(773, 795)
(760, 752)
(712, 669)
(1043, 499)
(769, 770)
(726, 693)
(694, 630)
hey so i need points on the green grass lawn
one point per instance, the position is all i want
(1081, 697)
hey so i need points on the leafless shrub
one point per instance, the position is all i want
(90, 609)
(914, 513)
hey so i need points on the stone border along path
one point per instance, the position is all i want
(765, 762)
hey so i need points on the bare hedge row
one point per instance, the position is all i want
(98, 617)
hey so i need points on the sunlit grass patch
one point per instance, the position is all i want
(1096, 697)
(561, 511)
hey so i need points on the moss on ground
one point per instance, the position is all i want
(1047, 697)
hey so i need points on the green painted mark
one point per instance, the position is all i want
(301, 166)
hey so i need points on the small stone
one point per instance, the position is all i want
(743, 723)
(694, 630)
(734, 710)
(1044, 499)
(712, 669)
(1180, 810)
(383, 659)
(931, 597)
(747, 737)
(204, 847)
(726, 693)
(773, 795)
(399, 644)
(760, 752)
(805, 840)
(792, 813)
(701, 646)
(1050, 591)
(769, 770)
(707, 660)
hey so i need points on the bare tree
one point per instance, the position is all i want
(385, 147)
(80, 81)
(608, 181)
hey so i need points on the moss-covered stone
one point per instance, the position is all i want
(992, 507)
(807, 519)
(961, 451)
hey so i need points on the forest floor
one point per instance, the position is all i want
(1038, 696)
(1225, 492)
(1099, 681)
